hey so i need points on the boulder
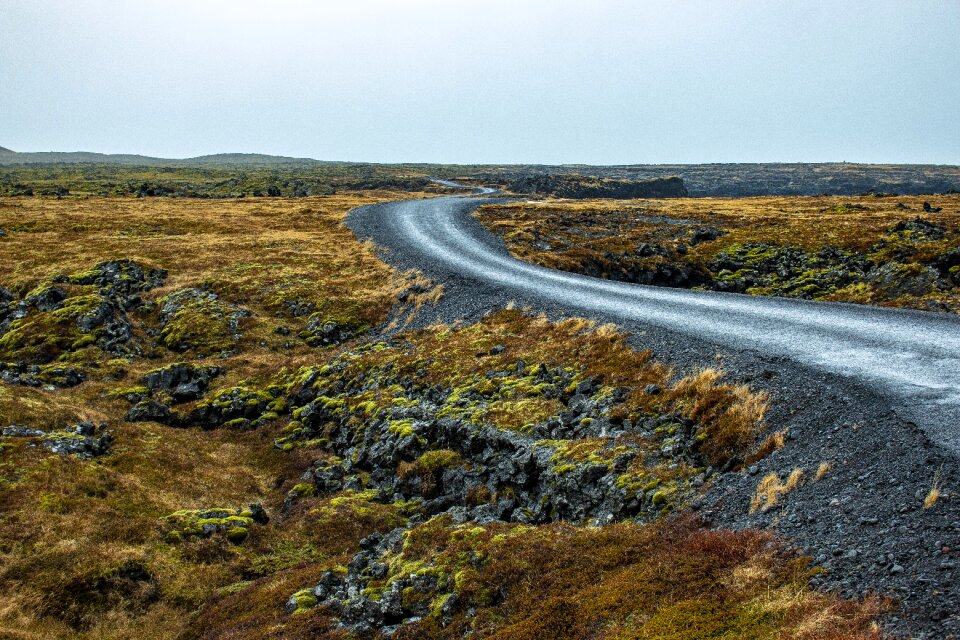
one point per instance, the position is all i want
(184, 382)
(48, 299)
(149, 411)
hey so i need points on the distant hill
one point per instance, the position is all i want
(717, 180)
(248, 158)
(8, 157)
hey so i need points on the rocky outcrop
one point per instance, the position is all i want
(182, 382)
(577, 186)
(83, 440)
(424, 447)
(233, 524)
(32, 375)
(67, 314)
(122, 280)
(162, 388)
(322, 331)
(198, 320)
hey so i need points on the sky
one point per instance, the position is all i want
(486, 81)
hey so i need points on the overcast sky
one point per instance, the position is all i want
(544, 81)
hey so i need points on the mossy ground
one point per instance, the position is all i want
(86, 549)
(670, 580)
(605, 238)
(83, 545)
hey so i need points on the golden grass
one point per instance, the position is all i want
(933, 496)
(771, 443)
(822, 471)
(734, 412)
(261, 252)
(770, 490)
(69, 524)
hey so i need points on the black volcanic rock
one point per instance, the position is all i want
(577, 186)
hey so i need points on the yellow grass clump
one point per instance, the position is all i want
(770, 489)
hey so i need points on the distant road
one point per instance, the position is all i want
(911, 357)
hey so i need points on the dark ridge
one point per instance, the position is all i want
(699, 180)
(219, 159)
(5, 150)
(578, 186)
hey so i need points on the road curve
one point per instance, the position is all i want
(913, 358)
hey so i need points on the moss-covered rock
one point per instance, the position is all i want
(238, 405)
(44, 336)
(234, 524)
(49, 375)
(122, 279)
(197, 320)
(84, 440)
(322, 331)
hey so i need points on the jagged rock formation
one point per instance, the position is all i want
(577, 186)
(83, 440)
(69, 314)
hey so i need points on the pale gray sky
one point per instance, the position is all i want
(601, 82)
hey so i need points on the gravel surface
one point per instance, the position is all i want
(874, 393)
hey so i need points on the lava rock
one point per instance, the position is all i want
(185, 382)
(149, 411)
(49, 299)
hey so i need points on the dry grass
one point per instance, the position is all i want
(71, 527)
(770, 489)
(771, 443)
(667, 581)
(83, 546)
(734, 412)
(420, 290)
(933, 495)
(261, 252)
(822, 471)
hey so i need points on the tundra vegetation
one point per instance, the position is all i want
(897, 251)
(205, 437)
(227, 177)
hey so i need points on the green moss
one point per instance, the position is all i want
(235, 524)
(304, 601)
(302, 490)
(663, 496)
(237, 535)
(439, 459)
(200, 324)
(403, 428)
(44, 336)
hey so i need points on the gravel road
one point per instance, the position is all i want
(875, 393)
(911, 357)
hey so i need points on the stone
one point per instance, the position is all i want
(148, 411)
(49, 299)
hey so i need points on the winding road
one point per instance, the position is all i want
(912, 358)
